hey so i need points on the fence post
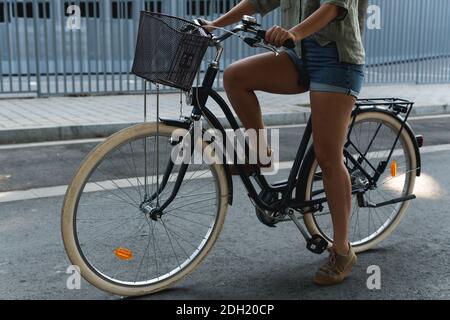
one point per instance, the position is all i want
(419, 38)
(36, 47)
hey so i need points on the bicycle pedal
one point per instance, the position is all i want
(317, 244)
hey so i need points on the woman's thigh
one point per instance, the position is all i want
(264, 72)
(331, 114)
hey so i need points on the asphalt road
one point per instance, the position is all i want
(250, 261)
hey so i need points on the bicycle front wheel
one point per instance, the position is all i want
(110, 228)
(373, 133)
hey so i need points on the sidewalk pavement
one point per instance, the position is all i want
(63, 118)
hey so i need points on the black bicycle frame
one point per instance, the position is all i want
(199, 98)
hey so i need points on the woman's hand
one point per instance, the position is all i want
(209, 25)
(277, 36)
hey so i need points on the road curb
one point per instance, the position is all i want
(58, 133)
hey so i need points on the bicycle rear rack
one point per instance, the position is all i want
(395, 104)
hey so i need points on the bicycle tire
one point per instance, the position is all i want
(69, 211)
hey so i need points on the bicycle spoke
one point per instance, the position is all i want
(114, 181)
(136, 172)
(154, 247)
(170, 241)
(188, 204)
(143, 257)
(123, 157)
(192, 221)
(113, 193)
(187, 241)
(175, 238)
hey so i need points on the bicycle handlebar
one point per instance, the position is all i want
(289, 43)
(256, 41)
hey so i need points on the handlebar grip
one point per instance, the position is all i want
(199, 21)
(289, 43)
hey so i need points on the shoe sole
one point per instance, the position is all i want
(324, 281)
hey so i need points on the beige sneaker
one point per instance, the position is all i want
(337, 268)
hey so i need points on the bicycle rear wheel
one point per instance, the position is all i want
(367, 226)
(109, 226)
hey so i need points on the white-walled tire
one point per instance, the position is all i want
(84, 185)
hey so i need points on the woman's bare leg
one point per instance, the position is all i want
(263, 72)
(330, 119)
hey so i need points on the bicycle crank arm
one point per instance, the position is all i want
(291, 215)
(316, 244)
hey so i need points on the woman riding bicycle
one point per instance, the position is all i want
(328, 61)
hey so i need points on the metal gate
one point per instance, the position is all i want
(40, 54)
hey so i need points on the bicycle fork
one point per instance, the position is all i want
(147, 206)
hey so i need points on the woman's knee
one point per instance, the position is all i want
(234, 76)
(329, 161)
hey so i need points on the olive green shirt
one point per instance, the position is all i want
(346, 30)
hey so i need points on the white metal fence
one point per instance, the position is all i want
(408, 41)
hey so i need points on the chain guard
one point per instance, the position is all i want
(270, 219)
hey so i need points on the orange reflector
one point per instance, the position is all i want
(394, 168)
(123, 254)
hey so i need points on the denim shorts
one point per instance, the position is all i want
(320, 69)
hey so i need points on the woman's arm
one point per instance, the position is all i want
(244, 7)
(315, 22)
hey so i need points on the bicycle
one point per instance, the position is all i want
(136, 222)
